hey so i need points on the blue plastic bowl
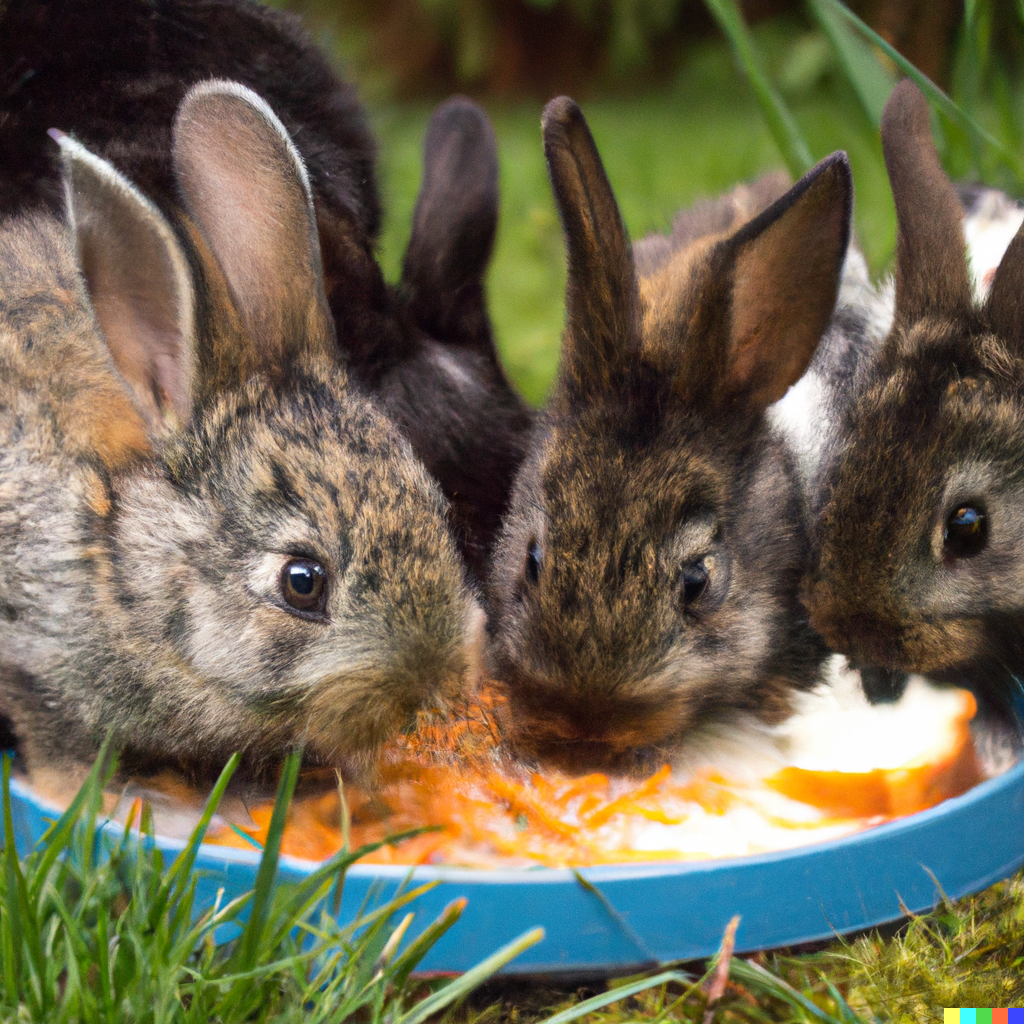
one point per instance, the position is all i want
(653, 913)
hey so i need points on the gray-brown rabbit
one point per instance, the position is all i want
(920, 544)
(646, 577)
(111, 74)
(210, 540)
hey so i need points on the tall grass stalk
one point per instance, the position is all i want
(867, 61)
(779, 118)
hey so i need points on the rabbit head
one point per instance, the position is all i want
(646, 576)
(251, 556)
(113, 74)
(919, 552)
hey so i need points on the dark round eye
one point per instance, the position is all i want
(966, 531)
(695, 582)
(304, 584)
(534, 560)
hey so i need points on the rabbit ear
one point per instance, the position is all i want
(1005, 305)
(602, 300)
(931, 254)
(139, 282)
(453, 226)
(781, 274)
(243, 183)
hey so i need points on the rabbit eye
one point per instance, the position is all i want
(966, 531)
(695, 582)
(534, 560)
(304, 584)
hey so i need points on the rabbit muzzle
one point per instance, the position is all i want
(912, 644)
(588, 731)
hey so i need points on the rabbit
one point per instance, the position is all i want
(918, 551)
(210, 538)
(448, 390)
(645, 580)
(112, 75)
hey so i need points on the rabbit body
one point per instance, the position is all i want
(646, 577)
(113, 74)
(183, 462)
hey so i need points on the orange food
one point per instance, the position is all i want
(891, 792)
(486, 810)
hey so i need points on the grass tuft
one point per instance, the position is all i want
(94, 926)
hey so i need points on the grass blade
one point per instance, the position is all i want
(244, 956)
(781, 123)
(846, 1013)
(465, 983)
(184, 862)
(405, 964)
(316, 885)
(56, 839)
(936, 97)
(21, 916)
(871, 81)
(600, 1001)
(754, 977)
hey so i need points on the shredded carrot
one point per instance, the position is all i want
(454, 774)
(649, 786)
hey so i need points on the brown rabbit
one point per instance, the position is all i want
(920, 540)
(646, 577)
(112, 74)
(210, 540)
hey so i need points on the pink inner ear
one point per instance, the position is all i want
(785, 283)
(139, 284)
(244, 185)
(149, 356)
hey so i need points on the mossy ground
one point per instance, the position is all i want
(967, 953)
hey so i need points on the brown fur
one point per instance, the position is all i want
(654, 456)
(937, 423)
(141, 594)
(931, 255)
(112, 75)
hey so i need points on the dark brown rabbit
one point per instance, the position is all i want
(920, 545)
(112, 74)
(210, 539)
(444, 383)
(646, 577)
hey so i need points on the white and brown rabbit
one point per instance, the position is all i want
(210, 540)
(112, 74)
(920, 539)
(646, 578)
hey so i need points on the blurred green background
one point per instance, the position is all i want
(684, 99)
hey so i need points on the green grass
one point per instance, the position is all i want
(94, 929)
(701, 134)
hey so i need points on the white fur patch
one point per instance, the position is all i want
(799, 416)
(988, 231)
